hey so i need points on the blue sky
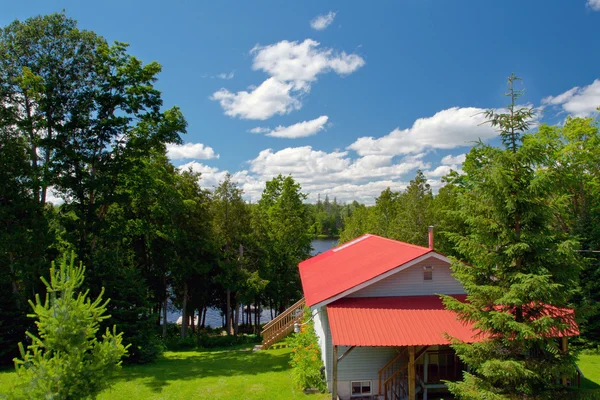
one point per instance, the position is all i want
(348, 97)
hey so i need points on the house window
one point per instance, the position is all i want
(428, 273)
(361, 388)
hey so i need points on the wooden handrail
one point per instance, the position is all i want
(393, 360)
(404, 367)
(388, 368)
(283, 314)
(283, 324)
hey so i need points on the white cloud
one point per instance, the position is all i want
(335, 173)
(594, 4)
(292, 67)
(453, 160)
(226, 76)
(259, 129)
(447, 129)
(298, 130)
(210, 176)
(190, 151)
(321, 22)
(270, 98)
(441, 171)
(580, 102)
(301, 62)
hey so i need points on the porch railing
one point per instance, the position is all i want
(282, 325)
(391, 368)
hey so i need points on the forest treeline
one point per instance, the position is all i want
(82, 118)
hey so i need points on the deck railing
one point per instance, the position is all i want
(391, 368)
(283, 324)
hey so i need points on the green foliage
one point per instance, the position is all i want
(66, 360)
(306, 356)
(514, 266)
(281, 221)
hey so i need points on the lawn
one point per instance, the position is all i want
(232, 374)
(225, 374)
(590, 366)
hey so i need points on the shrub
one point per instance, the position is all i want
(306, 357)
(67, 360)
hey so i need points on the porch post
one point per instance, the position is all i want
(411, 373)
(564, 347)
(335, 374)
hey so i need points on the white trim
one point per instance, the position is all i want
(361, 382)
(382, 276)
(360, 239)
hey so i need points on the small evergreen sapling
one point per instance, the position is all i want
(66, 360)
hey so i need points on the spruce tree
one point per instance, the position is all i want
(67, 359)
(515, 267)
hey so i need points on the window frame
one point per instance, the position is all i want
(428, 269)
(361, 385)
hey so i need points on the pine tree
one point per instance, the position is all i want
(517, 268)
(66, 360)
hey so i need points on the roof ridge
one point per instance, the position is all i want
(399, 241)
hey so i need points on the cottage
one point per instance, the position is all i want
(381, 326)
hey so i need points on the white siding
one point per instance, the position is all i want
(362, 364)
(322, 331)
(409, 282)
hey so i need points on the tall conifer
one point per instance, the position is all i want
(515, 267)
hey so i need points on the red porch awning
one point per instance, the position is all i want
(395, 321)
(402, 321)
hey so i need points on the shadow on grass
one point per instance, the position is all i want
(189, 365)
(587, 384)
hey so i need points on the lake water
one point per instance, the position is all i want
(213, 316)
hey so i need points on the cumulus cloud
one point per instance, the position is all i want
(270, 98)
(578, 101)
(334, 173)
(259, 129)
(210, 176)
(292, 67)
(226, 76)
(453, 160)
(298, 130)
(594, 4)
(447, 129)
(301, 62)
(190, 151)
(321, 22)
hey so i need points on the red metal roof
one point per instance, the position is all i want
(405, 321)
(346, 266)
(395, 321)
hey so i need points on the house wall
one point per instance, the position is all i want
(409, 282)
(363, 363)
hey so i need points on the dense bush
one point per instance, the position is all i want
(206, 338)
(306, 357)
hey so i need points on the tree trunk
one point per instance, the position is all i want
(192, 323)
(236, 321)
(204, 317)
(184, 319)
(164, 326)
(228, 316)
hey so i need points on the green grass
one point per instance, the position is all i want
(234, 373)
(224, 374)
(590, 366)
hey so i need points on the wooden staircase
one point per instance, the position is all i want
(283, 324)
(393, 376)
